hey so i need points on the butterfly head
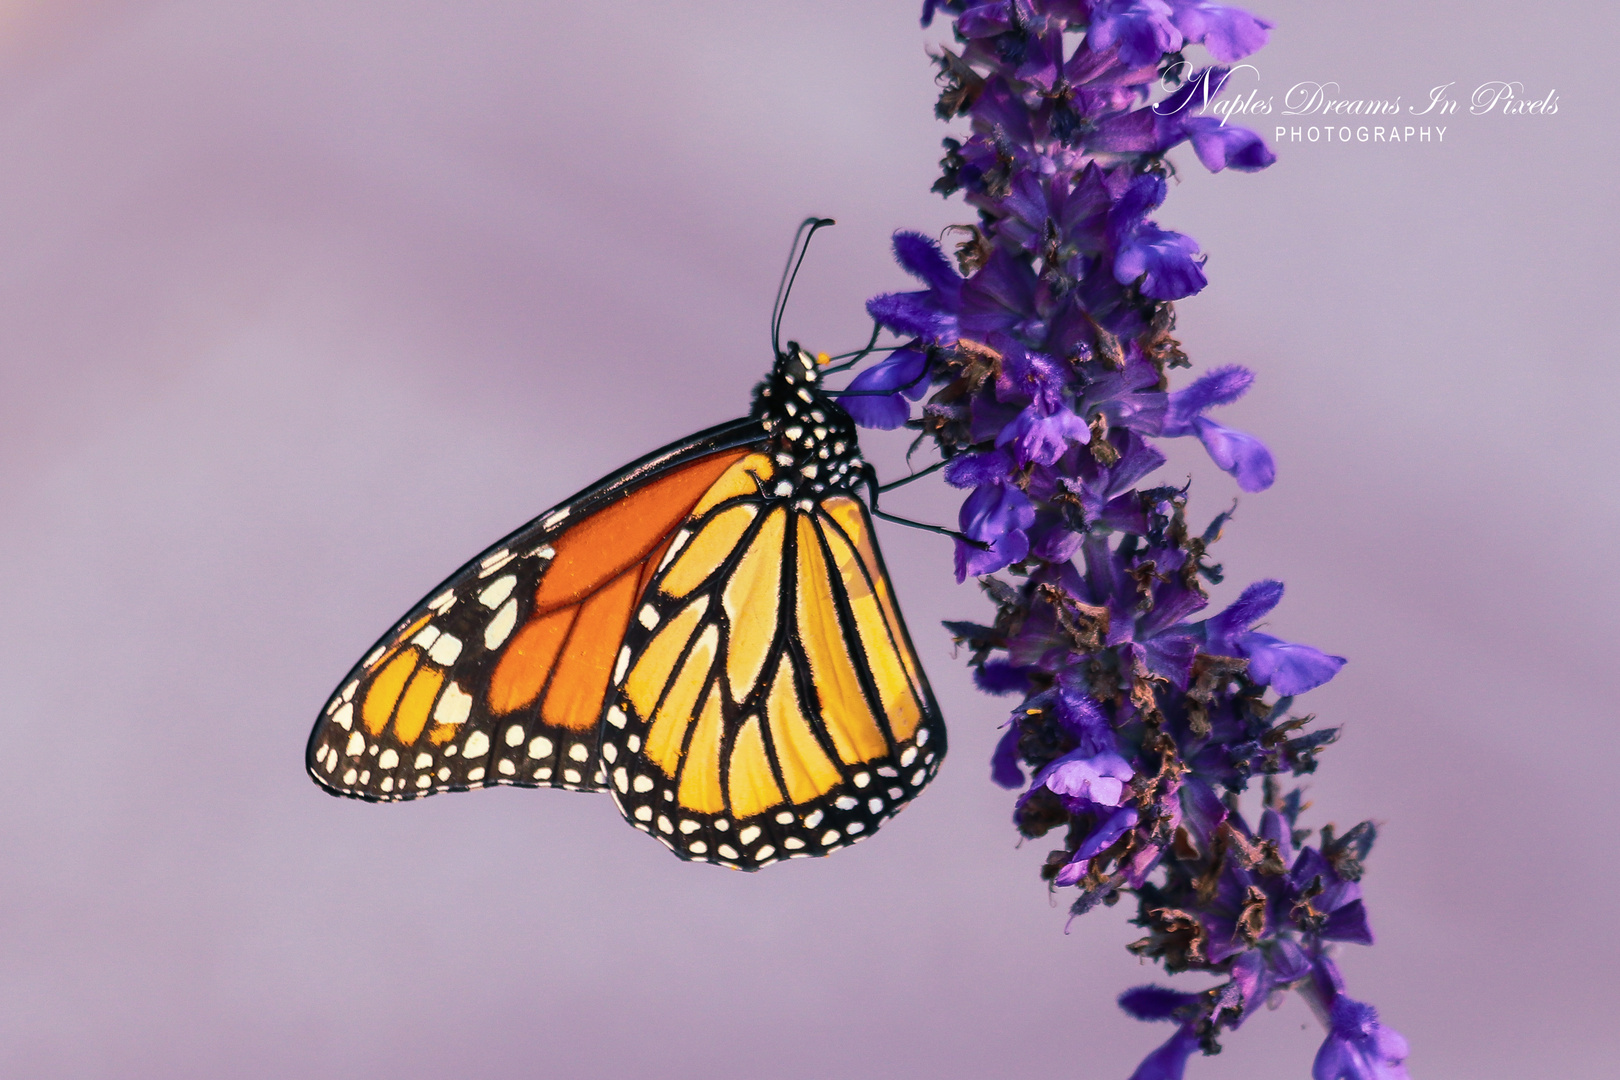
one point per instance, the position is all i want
(813, 438)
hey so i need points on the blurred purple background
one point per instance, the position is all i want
(304, 303)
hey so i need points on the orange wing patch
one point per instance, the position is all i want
(521, 674)
(567, 648)
(622, 535)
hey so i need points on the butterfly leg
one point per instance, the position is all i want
(891, 485)
(874, 488)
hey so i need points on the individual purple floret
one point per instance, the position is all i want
(1041, 348)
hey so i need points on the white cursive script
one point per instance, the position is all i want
(1316, 99)
(1508, 99)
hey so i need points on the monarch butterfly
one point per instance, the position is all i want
(708, 634)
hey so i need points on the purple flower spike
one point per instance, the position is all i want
(1046, 350)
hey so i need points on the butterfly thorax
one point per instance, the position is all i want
(813, 439)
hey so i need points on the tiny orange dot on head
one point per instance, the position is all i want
(823, 358)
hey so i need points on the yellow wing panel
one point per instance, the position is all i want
(752, 787)
(751, 598)
(414, 705)
(700, 772)
(843, 706)
(877, 640)
(669, 723)
(738, 480)
(808, 770)
(708, 549)
(652, 670)
(851, 517)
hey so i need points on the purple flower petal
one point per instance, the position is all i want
(1286, 667)
(921, 257)
(1116, 825)
(1142, 29)
(1003, 551)
(914, 314)
(1004, 768)
(994, 510)
(976, 470)
(985, 19)
(1000, 298)
(1238, 453)
(1254, 604)
(1054, 543)
(1156, 1002)
(1289, 963)
(1169, 1062)
(1221, 386)
(1043, 439)
(1202, 808)
(1144, 194)
(1219, 145)
(1348, 923)
(1099, 779)
(905, 372)
(1165, 261)
(1359, 1047)
(1137, 131)
(1083, 718)
(1000, 677)
(1228, 33)
(880, 413)
(1119, 823)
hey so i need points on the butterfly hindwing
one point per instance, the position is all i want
(771, 704)
(499, 675)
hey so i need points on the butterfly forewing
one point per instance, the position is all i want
(771, 704)
(499, 676)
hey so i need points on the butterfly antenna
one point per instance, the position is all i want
(790, 272)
